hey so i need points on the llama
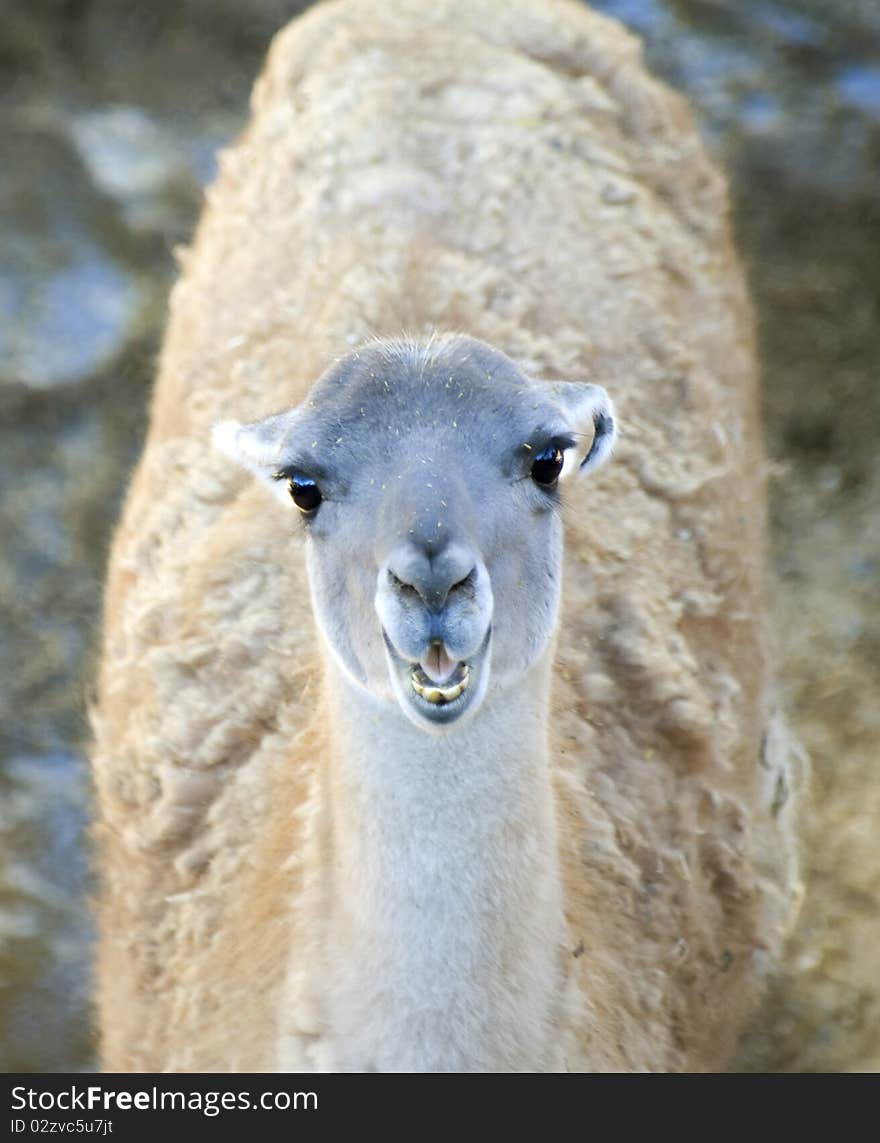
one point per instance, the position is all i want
(386, 780)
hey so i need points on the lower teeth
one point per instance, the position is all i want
(433, 693)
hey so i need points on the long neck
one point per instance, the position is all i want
(444, 898)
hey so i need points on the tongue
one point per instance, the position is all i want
(437, 665)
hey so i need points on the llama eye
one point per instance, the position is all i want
(547, 466)
(305, 494)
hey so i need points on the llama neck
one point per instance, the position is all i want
(445, 916)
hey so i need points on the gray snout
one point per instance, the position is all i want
(432, 575)
(426, 596)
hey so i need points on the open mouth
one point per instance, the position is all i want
(434, 692)
(438, 689)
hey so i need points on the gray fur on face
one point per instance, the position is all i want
(431, 528)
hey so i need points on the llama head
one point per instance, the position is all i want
(425, 477)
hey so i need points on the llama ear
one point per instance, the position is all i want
(259, 446)
(588, 409)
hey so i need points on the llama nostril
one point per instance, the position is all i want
(400, 585)
(466, 583)
(415, 572)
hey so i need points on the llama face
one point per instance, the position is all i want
(426, 480)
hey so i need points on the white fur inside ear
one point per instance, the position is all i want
(571, 462)
(605, 436)
(259, 446)
(224, 438)
(586, 407)
(248, 445)
(241, 444)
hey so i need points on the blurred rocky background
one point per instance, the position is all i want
(111, 113)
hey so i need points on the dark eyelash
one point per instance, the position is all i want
(292, 470)
(562, 441)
